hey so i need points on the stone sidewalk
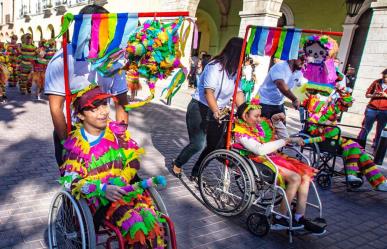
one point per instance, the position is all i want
(28, 174)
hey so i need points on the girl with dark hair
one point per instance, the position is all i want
(215, 89)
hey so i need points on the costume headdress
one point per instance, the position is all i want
(253, 104)
(326, 42)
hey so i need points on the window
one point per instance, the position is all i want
(1, 13)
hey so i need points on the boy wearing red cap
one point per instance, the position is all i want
(101, 163)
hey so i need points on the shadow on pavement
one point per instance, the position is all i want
(16, 106)
(28, 175)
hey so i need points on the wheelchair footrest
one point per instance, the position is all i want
(316, 225)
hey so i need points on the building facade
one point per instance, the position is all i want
(363, 44)
(7, 19)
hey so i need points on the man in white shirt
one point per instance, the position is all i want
(80, 75)
(282, 77)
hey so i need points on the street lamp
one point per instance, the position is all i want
(353, 7)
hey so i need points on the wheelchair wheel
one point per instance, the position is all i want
(226, 183)
(258, 224)
(160, 207)
(311, 151)
(264, 191)
(70, 223)
(324, 181)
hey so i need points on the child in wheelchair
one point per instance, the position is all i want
(322, 125)
(256, 134)
(101, 161)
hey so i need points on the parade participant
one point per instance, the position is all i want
(27, 56)
(49, 50)
(39, 69)
(356, 160)
(376, 109)
(248, 78)
(12, 51)
(213, 94)
(101, 163)
(3, 73)
(282, 77)
(133, 80)
(257, 135)
(80, 74)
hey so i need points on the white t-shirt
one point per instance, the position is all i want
(269, 93)
(211, 78)
(80, 76)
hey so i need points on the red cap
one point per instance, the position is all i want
(88, 99)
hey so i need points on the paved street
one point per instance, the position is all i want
(28, 174)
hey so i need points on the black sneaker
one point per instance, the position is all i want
(316, 226)
(282, 223)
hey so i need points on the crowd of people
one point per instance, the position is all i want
(99, 160)
(23, 64)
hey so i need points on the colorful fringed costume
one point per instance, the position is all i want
(13, 55)
(49, 49)
(113, 159)
(27, 58)
(262, 134)
(39, 66)
(354, 156)
(4, 73)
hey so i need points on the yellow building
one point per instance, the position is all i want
(363, 45)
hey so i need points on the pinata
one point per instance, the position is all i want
(156, 48)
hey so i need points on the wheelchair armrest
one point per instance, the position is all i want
(324, 125)
(299, 153)
(349, 126)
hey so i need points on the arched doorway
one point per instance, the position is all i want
(359, 40)
(39, 34)
(21, 33)
(208, 33)
(31, 32)
(287, 17)
(51, 31)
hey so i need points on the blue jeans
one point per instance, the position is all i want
(196, 125)
(372, 115)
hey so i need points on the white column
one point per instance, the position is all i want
(374, 56)
(345, 43)
(260, 13)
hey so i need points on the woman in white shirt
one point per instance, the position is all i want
(214, 91)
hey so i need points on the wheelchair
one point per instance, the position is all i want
(230, 183)
(323, 155)
(73, 224)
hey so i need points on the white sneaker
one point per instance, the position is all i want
(382, 187)
(352, 178)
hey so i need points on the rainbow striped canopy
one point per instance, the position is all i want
(99, 35)
(283, 44)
